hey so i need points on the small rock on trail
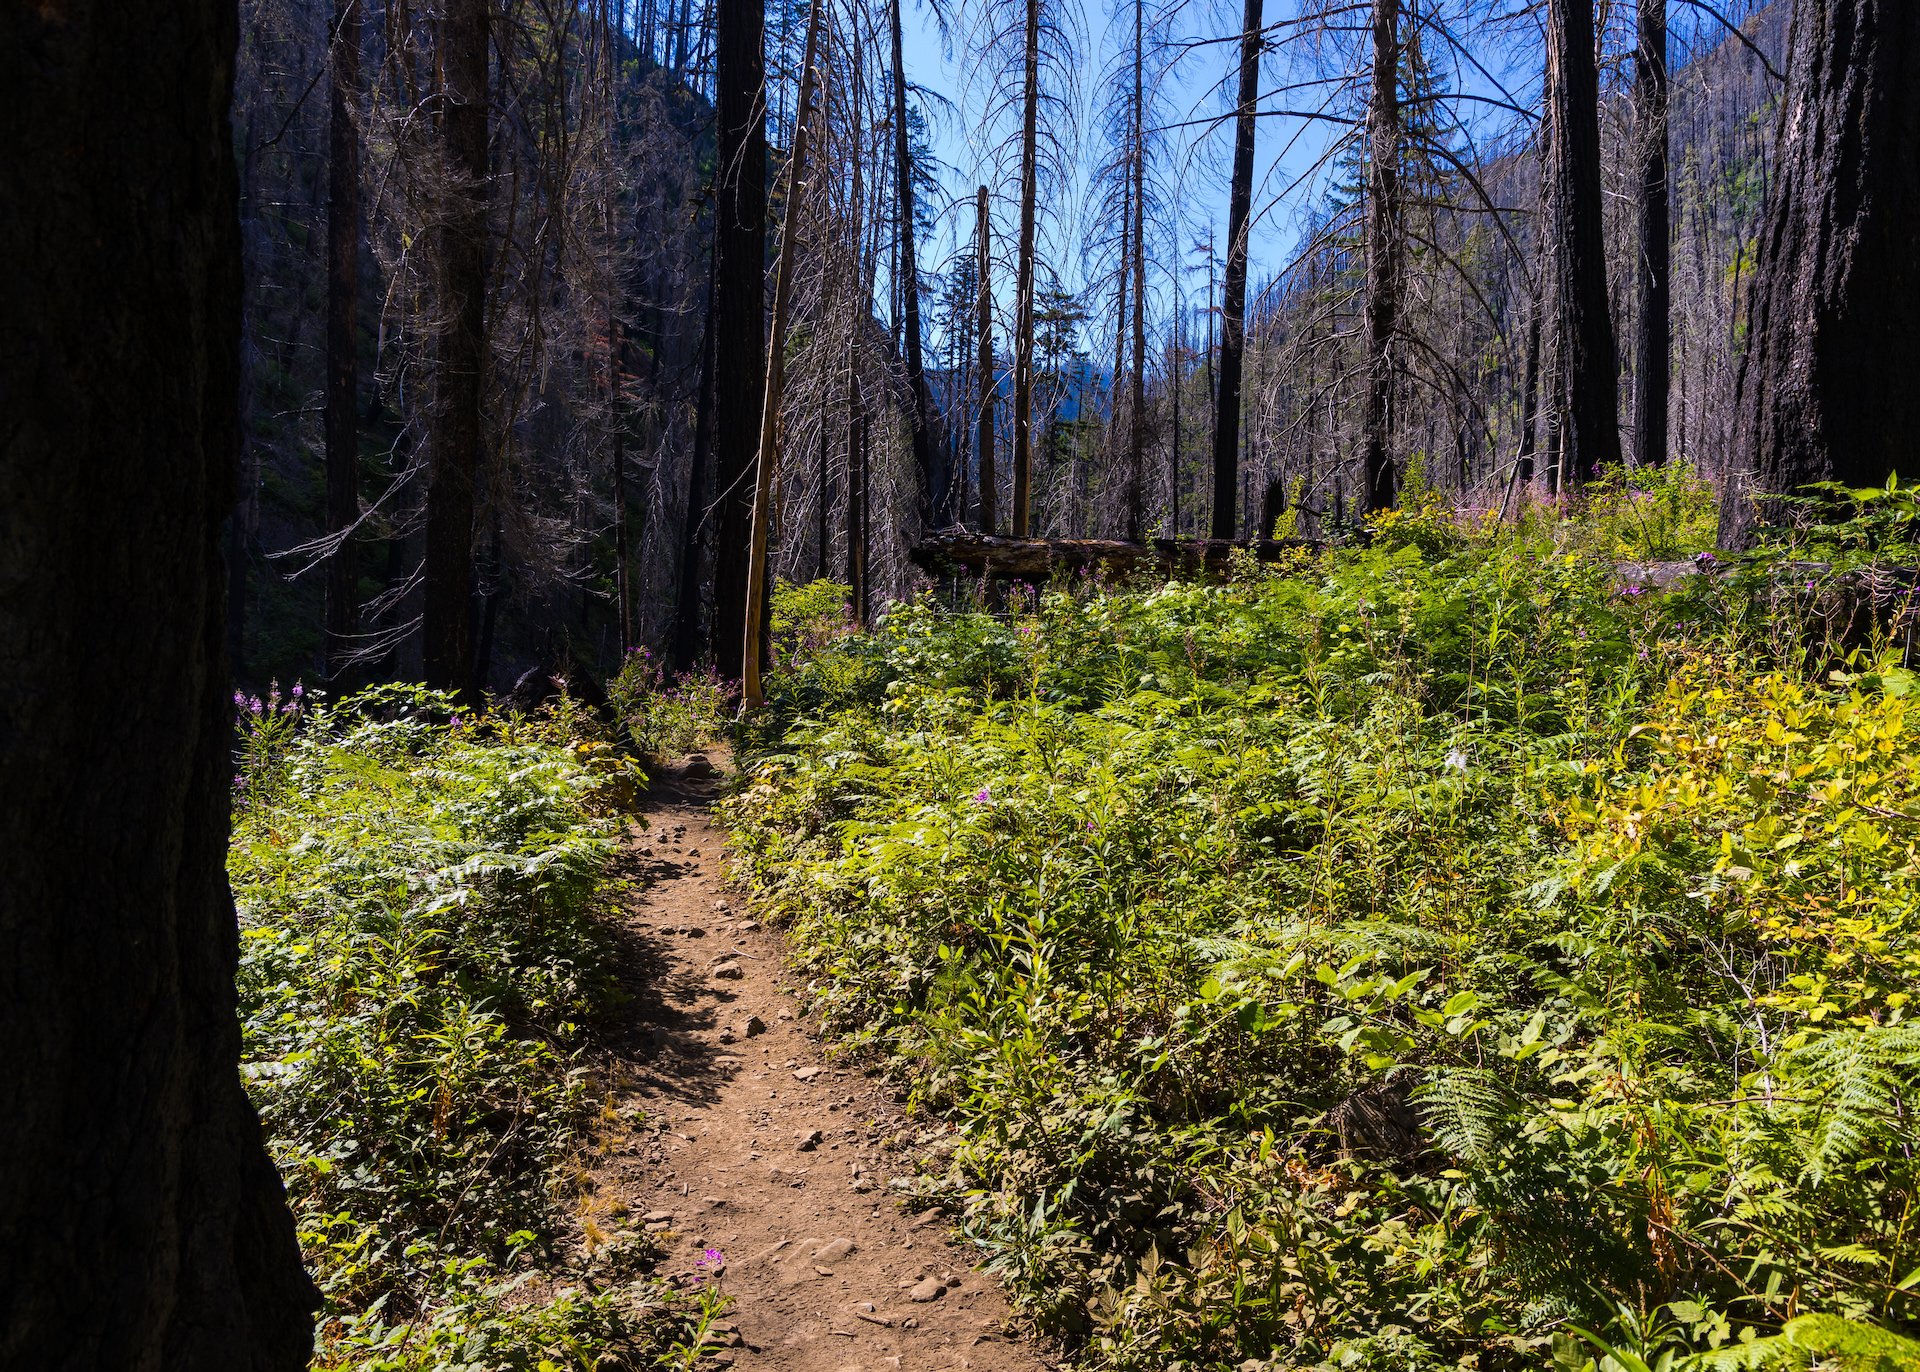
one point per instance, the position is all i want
(762, 1169)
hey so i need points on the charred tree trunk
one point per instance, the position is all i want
(766, 464)
(935, 503)
(1653, 338)
(989, 479)
(343, 298)
(1384, 250)
(143, 1224)
(1024, 284)
(739, 300)
(1587, 357)
(1137, 397)
(1826, 390)
(1233, 308)
(455, 437)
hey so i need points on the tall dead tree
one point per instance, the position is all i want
(983, 311)
(1137, 395)
(1385, 250)
(455, 435)
(143, 1223)
(1585, 334)
(767, 450)
(1233, 309)
(1653, 330)
(1024, 273)
(1826, 390)
(933, 494)
(738, 303)
(341, 423)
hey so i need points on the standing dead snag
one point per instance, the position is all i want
(1826, 390)
(753, 643)
(1233, 310)
(989, 479)
(455, 438)
(1585, 336)
(1653, 332)
(343, 296)
(1384, 248)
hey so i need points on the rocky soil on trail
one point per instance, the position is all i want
(762, 1164)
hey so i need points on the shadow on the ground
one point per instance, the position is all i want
(663, 1041)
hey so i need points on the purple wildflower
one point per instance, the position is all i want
(1705, 560)
(711, 1258)
(983, 796)
(255, 706)
(239, 700)
(298, 690)
(1636, 589)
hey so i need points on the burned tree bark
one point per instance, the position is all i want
(739, 296)
(1024, 276)
(989, 479)
(1585, 333)
(1826, 390)
(143, 1224)
(1384, 250)
(455, 436)
(342, 429)
(1653, 331)
(1233, 311)
(934, 501)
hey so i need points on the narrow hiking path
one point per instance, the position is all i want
(759, 1146)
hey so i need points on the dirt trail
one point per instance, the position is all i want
(759, 1145)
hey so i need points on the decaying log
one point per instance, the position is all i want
(1039, 559)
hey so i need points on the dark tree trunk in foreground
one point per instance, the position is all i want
(143, 1226)
(1827, 388)
(343, 298)
(739, 306)
(1384, 253)
(1586, 352)
(934, 501)
(1653, 337)
(1024, 282)
(1233, 308)
(455, 438)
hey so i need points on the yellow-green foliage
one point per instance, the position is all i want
(1402, 960)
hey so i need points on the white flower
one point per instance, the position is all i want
(1457, 759)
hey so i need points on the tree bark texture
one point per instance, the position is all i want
(740, 287)
(1233, 305)
(1137, 393)
(1653, 330)
(1385, 250)
(143, 1225)
(342, 426)
(1024, 277)
(460, 374)
(983, 309)
(1826, 389)
(935, 504)
(1589, 364)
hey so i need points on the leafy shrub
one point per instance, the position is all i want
(1346, 966)
(424, 911)
(664, 713)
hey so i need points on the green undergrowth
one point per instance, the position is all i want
(424, 905)
(1433, 954)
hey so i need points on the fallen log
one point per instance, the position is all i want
(1041, 559)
